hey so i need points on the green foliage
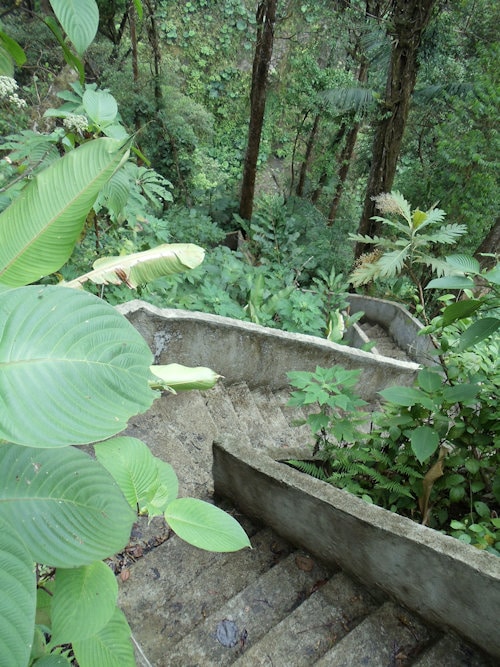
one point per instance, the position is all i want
(332, 391)
(467, 276)
(82, 371)
(432, 452)
(406, 249)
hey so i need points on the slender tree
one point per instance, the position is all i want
(266, 18)
(408, 21)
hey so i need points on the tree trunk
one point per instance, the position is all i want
(266, 18)
(307, 157)
(490, 244)
(347, 152)
(409, 20)
(155, 46)
(345, 160)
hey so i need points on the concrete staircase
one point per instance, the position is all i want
(272, 605)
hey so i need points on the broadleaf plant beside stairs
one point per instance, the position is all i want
(72, 372)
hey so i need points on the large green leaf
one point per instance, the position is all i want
(13, 48)
(132, 465)
(100, 106)
(461, 393)
(459, 310)
(40, 228)
(52, 660)
(6, 63)
(72, 369)
(80, 20)
(111, 647)
(17, 598)
(72, 60)
(83, 603)
(451, 282)
(147, 483)
(406, 396)
(143, 267)
(205, 526)
(67, 507)
(477, 332)
(424, 442)
(167, 490)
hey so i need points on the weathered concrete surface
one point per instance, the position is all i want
(259, 356)
(442, 579)
(399, 323)
(174, 588)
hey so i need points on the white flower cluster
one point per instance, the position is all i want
(8, 87)
(387, 204)
(76, 122)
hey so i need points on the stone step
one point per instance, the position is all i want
(454, 652)
(181, 586)
(390, 636)
(222, 411)
(309, 631)
(251, 421)
(223, 636)
(280, 417)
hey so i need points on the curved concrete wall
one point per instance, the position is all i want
(259, 356)
(398, 322)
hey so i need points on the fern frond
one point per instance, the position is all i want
(310, 468)
(392, 263)
(448, 234)
(364, 274)
(438, 264)
(350, 100)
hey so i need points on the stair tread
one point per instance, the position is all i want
(451, 651)
(222, 410)
(311, 629)
(180, 586)
(250, 419)
(250, 613)
(389, 636)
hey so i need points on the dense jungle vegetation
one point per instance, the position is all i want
(354, 99)
(311, 148)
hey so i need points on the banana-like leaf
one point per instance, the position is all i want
(175, 377)
(143, 267)
(83, 603)
(17, 598)
(66, 504)
(111, 647)
(40, 228)
(205, 526)
(72, 369)
(80, 20)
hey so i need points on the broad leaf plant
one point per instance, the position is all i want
(72, 372)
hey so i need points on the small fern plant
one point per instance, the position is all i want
(411, 246)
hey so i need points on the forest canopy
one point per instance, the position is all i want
(270, 127)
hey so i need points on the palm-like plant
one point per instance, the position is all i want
(409, 248)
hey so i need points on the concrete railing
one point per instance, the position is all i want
(437, 576)
(259, 356)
